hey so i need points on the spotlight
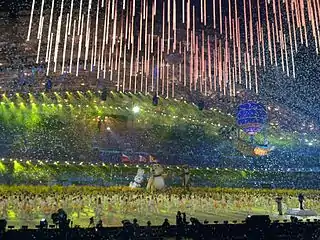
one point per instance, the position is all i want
(136, 109)
(108, 128)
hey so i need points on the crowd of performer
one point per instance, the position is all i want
(114, 207)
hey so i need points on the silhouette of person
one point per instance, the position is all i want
(301, 199)
(279, 204)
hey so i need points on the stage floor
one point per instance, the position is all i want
(27, 205)
(156, 217)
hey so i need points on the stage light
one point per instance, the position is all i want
(108, 128)
(136, 109)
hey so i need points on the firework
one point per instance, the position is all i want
(224, 45)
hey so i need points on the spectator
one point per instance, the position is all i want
(136, 228)
(127, 232)
(148, 230)
(184, 219)
(179, 220)
(165, 227)
(166, 224)
(180, 226)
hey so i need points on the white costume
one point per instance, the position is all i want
(138, 179)
(185, 176)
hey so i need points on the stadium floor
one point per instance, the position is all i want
(113, 220)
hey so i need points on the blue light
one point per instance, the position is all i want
(251, 117)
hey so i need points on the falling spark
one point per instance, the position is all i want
(220, 14)
(233, 48)
(96, 35)
(79, 17)
(49, 58)
(39, 42)
(65, 45)
(80, 46)
(49, 32)
(58, 36)
(72, 46)
(30, 23)
(70, 20)
(40, 20)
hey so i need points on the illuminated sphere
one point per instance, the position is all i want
(251, 117)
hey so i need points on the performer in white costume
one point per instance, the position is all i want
(138, 179)
(185, 176)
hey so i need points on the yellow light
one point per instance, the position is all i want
(259, 151)
(2, 167)
(17, 167)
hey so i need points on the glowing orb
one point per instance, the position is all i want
(251, 117)
(136, 109)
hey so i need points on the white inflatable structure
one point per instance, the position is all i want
(185, 176)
